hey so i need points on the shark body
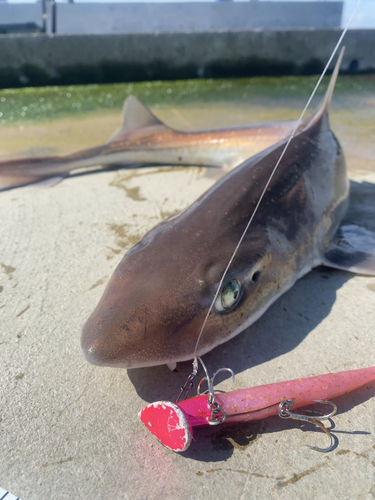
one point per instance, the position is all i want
(157, 299)
(144, 140)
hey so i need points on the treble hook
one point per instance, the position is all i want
(210, 381)
(185, 389)
(284, 412)
(218, 414)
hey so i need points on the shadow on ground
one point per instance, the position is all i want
(361, 205)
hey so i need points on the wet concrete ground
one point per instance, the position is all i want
(69, 429)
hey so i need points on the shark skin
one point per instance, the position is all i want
(144, 140)
(157, 299)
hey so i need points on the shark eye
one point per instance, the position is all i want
(229, 296)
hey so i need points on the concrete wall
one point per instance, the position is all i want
(69, 59)
(201, 16)
(145, 17)
(20, 17)
(21, 13)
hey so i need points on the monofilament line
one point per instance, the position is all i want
(270, 178)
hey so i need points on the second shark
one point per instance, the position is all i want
(144, 140)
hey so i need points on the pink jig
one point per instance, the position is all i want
(172, 423)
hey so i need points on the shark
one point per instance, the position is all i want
(158, 297)
(144, 140)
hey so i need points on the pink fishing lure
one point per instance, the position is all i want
(172, 423)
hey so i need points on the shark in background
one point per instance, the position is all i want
(144, 140)
(158, 297)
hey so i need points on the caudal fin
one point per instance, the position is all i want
(22, 171)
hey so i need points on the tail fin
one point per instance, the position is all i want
(19, 172)
(135, 115)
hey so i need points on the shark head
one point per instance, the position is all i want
(156, 301)
(155, 304)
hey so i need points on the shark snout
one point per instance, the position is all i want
(151, 325)
(121, 336)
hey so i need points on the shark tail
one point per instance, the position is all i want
(48, 170)
(23, 171)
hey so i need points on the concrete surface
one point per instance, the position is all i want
(70, 430)
(70, 59)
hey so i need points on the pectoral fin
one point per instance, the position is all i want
(353, 250)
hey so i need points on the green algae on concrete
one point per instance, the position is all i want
(46, 103)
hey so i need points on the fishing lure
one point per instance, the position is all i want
(172, 423)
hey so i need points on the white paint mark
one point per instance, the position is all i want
(4, 494)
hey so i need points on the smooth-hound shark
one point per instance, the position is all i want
(144, 140)
(157, 299)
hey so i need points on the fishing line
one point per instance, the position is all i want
(270, 178)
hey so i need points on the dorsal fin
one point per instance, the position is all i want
(324, 105)
(135, 115)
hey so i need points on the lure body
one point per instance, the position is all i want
(172, 423)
